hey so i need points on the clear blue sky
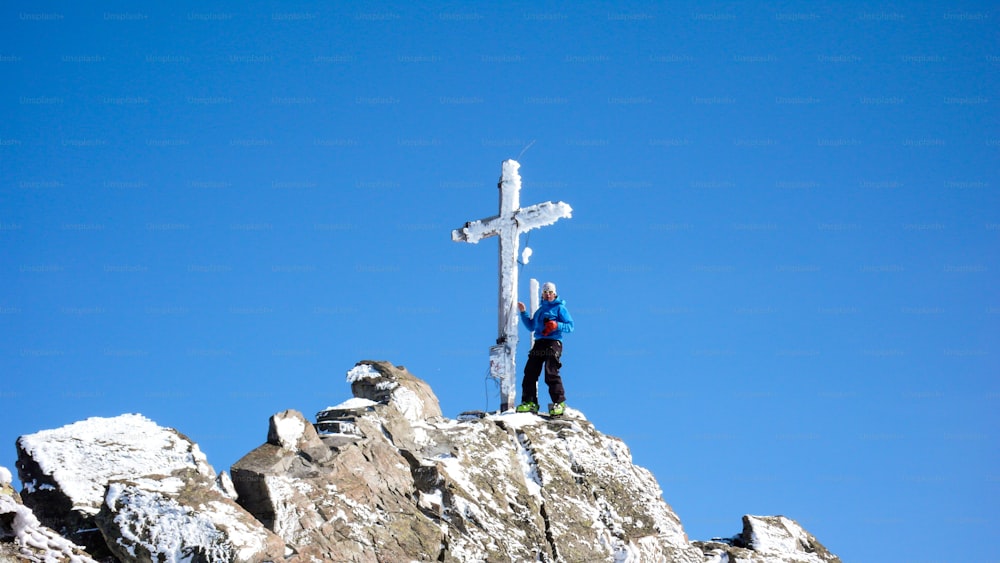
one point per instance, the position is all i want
(782, 261)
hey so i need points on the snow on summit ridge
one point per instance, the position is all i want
(383, 476)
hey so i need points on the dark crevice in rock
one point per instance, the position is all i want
(387, 434)
(549, 536)
(444, 548)
(522, 441)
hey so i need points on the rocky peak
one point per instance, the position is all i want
(405, 483)
(380, 477)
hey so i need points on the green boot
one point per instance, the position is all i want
(527, 406)
(557, 409)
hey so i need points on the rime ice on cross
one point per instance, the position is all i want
(508, 226)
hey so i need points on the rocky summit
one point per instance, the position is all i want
(382, 477)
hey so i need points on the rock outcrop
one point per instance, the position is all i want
(130, 488)
(182, 517)
(24, 538)
(380, 477)
(768, 539)
(66, 471)
(404, 483)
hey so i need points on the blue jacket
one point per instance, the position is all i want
(555, 309)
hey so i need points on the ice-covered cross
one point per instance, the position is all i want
(508, 226)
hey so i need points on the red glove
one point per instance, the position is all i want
(550, 327)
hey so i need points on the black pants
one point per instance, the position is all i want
(545, 352)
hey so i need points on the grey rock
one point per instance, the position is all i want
(768, 539)
(349, 508)
(181, 517)
(24, 538)
(385, 383)
(291, 431)
(416, 486)
(65, 471)
(127, 488)
(224, 483)
(381, 477)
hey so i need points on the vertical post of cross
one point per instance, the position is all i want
(510, 242)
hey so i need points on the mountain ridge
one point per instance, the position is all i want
(382, 477)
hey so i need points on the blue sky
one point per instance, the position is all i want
(782, 261)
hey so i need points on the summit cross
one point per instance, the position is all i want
(508, 226)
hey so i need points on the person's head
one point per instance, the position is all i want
(548, 291)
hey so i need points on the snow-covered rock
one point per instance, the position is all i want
(66, 471)
(24, 538)
(82, 457)
(129, 487)
(5, 484)
(409, 404)
(181, 518)
(382, 476)
(291, 431)
(768, 539)
(511, 487)
(384, 383)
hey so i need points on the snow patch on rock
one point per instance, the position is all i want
(352, 404)
(173, 520)
(361, 372)
(163, 527)
(288, 515)
(777, 536)
(131, 445)
(532, 480)
(289, 430)
(33, 541)
(224, 484)
(408, 403)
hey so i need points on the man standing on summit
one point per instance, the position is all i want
(550, 322)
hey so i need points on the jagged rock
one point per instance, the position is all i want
(768, 539)
(385, 383)
(130, 488)
(380, 477)
(345, 509)
(399, 391)
(24, 538)
(182, 517)
(291, 431)
(65, 471)
(415, 486)
(224, 483)
(337, 426)
(589, 486)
